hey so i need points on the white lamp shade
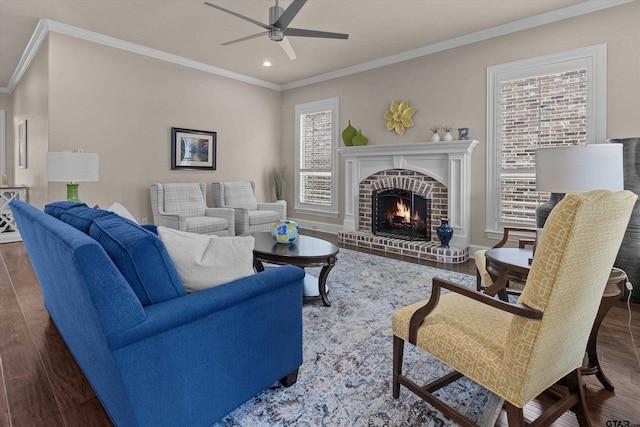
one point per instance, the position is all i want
(579, 168)
(72, 167)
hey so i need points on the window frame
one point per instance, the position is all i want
(332, 104)
(593, 59)
(3, 153)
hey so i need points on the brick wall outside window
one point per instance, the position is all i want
(541, 111)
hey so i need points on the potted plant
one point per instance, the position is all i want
(278, 179)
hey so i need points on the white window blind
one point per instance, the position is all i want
(552, 100)
(316, 138)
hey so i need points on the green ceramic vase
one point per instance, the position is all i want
(360, 139)
(347, 135)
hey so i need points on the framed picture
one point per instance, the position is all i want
(22, 144)
(193, 149)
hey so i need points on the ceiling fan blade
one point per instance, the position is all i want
(254, 36)
(299, 32)
(237, 15)
(288, 49)
(288, 15)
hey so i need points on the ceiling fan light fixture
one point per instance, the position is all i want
(276, 34)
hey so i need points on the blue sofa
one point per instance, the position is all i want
(155, 355)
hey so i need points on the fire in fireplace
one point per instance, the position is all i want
(401, 214)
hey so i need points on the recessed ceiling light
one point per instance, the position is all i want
(266, 64)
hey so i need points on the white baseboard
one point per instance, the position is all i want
(318, 226)
(474, 248)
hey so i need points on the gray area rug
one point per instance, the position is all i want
(346, 376)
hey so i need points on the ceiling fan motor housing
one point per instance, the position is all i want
(275, 33)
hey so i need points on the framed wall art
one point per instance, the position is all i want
(22, 144)
(193, 149)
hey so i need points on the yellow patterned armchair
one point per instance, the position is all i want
(520, 350)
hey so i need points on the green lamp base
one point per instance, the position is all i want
(72, 193)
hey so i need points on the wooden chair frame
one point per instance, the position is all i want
(569, 396)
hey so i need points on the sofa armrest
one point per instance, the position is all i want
(181, 311)
(241, 219)
(280, 206)
(226, 213)
(169, 221)
(195, 358)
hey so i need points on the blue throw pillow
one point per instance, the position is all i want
(81, 217)
(55, 209)
(141, 258)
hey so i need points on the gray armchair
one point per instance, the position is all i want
(184, 207)
(250, 215)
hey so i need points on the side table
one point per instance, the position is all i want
(612, 292)
(8, 229)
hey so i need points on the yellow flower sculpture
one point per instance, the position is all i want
(399, 117)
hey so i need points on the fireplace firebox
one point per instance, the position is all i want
(401, 214)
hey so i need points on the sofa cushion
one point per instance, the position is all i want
(81, 217)
(207, 261)
(185, 200)
(122, 211)
(55, 209)
(141, 258)
(239, 194)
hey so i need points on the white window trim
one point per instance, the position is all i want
(593, 58)
(3, 152)
(332, 104)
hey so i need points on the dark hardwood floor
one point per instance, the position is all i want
(43, 386)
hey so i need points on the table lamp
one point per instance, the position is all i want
(576, 169)
(72, 168)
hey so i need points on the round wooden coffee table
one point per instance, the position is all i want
(306, 251)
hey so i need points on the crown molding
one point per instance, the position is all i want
(38, 36)
(500, 30)
(46, 25)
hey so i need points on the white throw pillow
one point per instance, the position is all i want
(206, 261)
(122, 211)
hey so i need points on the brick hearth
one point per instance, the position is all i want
(409, 180)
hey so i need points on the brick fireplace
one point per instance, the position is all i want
(438, 171)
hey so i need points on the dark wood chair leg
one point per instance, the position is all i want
(515, 416)
(398, 352)
(290, 379)
(575, 385)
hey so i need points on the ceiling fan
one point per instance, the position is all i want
(278, 28)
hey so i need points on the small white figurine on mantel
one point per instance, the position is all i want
(447, 133)
(435, 137)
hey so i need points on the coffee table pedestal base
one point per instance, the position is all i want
(316, 287)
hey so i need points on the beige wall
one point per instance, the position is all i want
(449, 87)
(6, 101)
(78, 94)
(122, 106)
(31, 103)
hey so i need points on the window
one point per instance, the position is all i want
(547, 101)
(316, 161)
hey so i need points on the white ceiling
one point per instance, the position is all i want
(377, 29)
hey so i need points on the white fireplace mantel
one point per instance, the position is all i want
(448, 162)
